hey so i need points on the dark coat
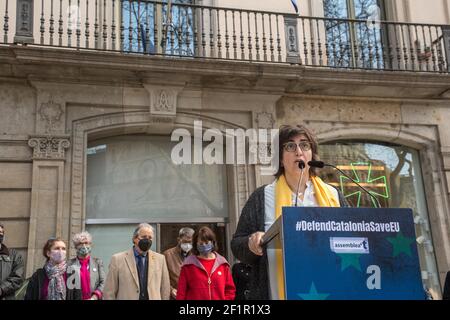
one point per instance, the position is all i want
(241, 277)
(251, 221)
(446, 293)
(11, 272)
(35, 285)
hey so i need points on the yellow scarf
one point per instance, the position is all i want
(283, 198)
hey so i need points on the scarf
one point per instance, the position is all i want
(283, 198)
(56, 285)
(85, 278)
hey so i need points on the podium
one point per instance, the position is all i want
(347, 253)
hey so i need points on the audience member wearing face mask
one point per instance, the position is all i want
(49, 282)
(205, 275)
(138, 273)
(11, 269)
(175, 257)
(85, 274)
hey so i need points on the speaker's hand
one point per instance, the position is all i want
(254, 243)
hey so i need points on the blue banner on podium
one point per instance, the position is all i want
(337, 253)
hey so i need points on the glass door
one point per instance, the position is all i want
(352, 43)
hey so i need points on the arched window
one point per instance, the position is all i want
(132, 179)
(392, 173)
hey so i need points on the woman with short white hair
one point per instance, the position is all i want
(85, 274)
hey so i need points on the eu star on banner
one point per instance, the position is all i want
(350, 254)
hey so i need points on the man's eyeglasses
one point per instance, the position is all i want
(292, 146)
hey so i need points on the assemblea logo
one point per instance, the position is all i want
(252, 146)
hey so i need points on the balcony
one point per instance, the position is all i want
(186, 31)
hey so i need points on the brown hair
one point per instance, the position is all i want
(50, 242)
(203, 234)
(286, 133)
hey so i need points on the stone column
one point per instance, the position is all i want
(24, 22)
(46, 194)
(446, 36)
(292, 48)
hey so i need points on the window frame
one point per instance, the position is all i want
(427, 251)
(353, 35)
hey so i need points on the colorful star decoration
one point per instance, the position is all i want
(379, 182)
(350, 260)
(401, 244)
(313, 294)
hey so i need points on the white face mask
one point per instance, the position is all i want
(186, 247)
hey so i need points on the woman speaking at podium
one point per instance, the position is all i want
(296, 184)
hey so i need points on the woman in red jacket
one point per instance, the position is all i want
(205, 274)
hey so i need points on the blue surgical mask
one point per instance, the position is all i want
(204, 249)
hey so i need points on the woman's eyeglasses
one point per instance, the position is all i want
(292, 146)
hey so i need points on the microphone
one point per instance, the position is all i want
(321, 164)
(301, 165)
(316, 164)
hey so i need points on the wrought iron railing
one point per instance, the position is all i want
(378, 45)
(192, 31)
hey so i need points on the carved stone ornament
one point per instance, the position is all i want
(265, 120)
(48, 147)
(292, 39)
(163, 99)
(292, 49)
(163, 102)
(51, 113)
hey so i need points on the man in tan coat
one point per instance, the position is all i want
(139, 273)
(175, 257)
